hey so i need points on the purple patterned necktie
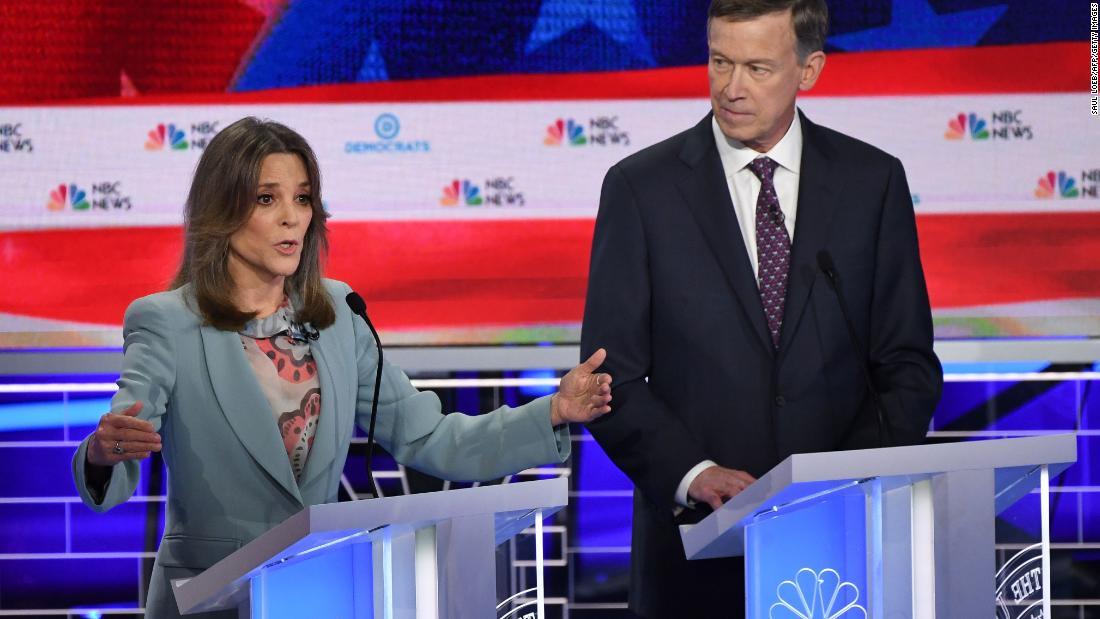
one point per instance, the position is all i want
(773, 247)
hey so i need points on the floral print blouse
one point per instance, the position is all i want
(278, 351)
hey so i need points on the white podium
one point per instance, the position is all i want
(419, 556)
(904, 532)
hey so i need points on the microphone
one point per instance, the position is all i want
(303, 332)
(825, 263)
(359, 306)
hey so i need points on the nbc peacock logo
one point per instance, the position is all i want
(967, 124)
(997, 126)
(166, 136)
(463, 192)
(68, 196)
(1057, 184)
(565, 131)
(817, 595)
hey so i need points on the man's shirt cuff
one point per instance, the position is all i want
(682, 490)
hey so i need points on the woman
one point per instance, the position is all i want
(249, 374)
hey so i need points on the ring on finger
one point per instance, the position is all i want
(117, 448)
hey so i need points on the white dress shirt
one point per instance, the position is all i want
(744, 188)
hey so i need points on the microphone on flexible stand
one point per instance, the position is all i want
(359, 306)
(303, 332)
(825, 263)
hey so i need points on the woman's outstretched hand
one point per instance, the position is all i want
(122, 436)
(583, 395)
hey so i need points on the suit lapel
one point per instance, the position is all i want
(245, 406)
(708, 198)
(324, 450)
(818, 191)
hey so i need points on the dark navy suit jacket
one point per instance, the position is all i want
(673, 298)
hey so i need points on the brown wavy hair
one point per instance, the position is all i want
(222, 196)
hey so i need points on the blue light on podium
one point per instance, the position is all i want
(304, 588)
(816, 559)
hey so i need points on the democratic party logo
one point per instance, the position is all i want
(1002, 125)
(387, 129)
(1057, 185)
(170, 136)
(957, 128)
(501, 191)
(599, 131)
(104, 196)
(461, 191)
(14, 139)
(814, 595)
(68, 197)
(387, 126)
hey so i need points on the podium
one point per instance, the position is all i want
(883, 533)
(419, 556)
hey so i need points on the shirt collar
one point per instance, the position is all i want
(735, 155)
(284, 320)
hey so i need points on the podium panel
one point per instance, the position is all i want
(810, 559)
(329, 584)
(423, 556)
(904, 532)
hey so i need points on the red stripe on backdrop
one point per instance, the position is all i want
(465, 273)
(986, 259)
(435, 274)
(413, 274)
(1035, 68)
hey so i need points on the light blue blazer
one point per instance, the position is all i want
(229, 478)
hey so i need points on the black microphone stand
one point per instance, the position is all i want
(359, 306)
(825, 263)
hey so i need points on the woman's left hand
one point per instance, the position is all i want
(582, 395)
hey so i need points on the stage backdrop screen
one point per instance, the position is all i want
(463, 145)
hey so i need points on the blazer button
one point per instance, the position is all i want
(780, 401)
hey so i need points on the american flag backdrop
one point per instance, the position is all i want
(462, 146)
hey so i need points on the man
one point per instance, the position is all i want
(729, 348)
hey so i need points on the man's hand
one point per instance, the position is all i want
(122, 436)
(716, 485)
(582, 395)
